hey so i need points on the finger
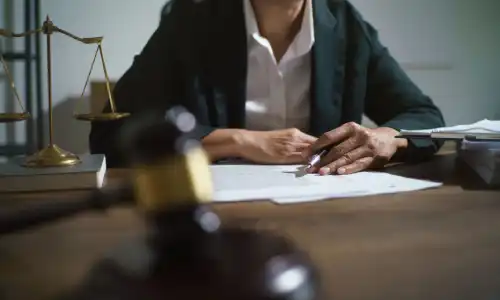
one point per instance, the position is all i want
(295, 149)
(357, 166)
(293, 158)
(344, 160)
(342, 151)
(309, 139)
(296, 135)
(298, 158)
(347, 152)
(300, 147)
(333, 137)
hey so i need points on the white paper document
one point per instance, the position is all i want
(289, 184)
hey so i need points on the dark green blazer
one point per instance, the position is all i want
(197, 58)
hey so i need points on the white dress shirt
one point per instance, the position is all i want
(278, 94)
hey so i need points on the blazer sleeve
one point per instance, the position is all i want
(152, 84)
(394, 101)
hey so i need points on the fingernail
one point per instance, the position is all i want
(341, 171)
(324, 171)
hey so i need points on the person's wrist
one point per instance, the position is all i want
(239, 141)
(244, 140)
(225, 143)
(400, 143)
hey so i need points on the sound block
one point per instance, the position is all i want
(230, 264)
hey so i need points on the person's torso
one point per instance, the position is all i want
(278, 92)
(227, 84)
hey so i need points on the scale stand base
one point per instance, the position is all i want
(52, 156)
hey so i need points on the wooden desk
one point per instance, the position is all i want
(434, 244)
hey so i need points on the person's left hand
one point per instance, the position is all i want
(355, 149)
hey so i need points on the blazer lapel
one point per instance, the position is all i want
(229, 68)
(327, 70)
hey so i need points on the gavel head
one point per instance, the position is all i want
(187, 252)
(171, 168)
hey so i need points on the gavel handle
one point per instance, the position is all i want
(14, 221)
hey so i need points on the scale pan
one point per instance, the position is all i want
(13, 117)
(101, 117)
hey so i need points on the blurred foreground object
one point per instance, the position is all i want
(187, 253)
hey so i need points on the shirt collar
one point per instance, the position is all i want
(250, 20)
(304, 40)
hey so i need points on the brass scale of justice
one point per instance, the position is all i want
(53, 155)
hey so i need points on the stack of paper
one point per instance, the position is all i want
(483, 126)
(290, 184)
(479, 146)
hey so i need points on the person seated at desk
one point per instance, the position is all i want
(271, 81)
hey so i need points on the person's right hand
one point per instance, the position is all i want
(275, 147)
